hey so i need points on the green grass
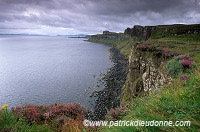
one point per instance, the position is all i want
(175, 31)
(16, 123)
(185, 43)
(174, 67)
(105, 41)
(178, 101)
(123, 45)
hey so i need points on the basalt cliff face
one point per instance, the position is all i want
(146, 72)
(140, 32)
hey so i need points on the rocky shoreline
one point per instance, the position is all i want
(114, 79)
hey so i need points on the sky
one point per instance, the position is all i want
(67, 17)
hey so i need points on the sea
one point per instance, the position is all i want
(51, 69)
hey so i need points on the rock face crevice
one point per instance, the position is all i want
(146, 72)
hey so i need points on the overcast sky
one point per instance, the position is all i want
(53, 17)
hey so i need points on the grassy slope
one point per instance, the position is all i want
(11, 122)
(178, 101)
(124, 46)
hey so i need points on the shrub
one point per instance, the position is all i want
(186, 64)
(158, 49)
(35, 113)
(195, 49)
(185, 57)
(191, 54)
(116, 114)
(143, 46)
(171, 53)
(147, 47)
(71, 110)
(184, 77)
(7, 119)
(174, 67)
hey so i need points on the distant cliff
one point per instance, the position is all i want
(107, 36)
(160, 31)
(140, 32)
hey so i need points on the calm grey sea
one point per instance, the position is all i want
(43, 70)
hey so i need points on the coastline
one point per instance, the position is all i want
(110, 96)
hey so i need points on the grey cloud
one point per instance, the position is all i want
(124, 7)
(91, 16)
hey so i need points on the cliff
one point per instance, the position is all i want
(147, 72)
(160, 31)
(107, 36)
(140, 32)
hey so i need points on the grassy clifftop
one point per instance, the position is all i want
(184, 38)
(163, 31)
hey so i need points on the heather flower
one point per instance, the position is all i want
(191, 54)
(171, 53)
(192, 60)
(122, 108)
(185, 58)
(47, 115)
(60, 119)
(18, 107)
(168, 51)
(35, 113)
(184, 77)
(147, 47)
(143, 47)
(158, 49)
(195, 49)
(186, 63)
(114, 114)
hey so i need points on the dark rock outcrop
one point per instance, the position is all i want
(146, 73)
(108, 36)
(140, 32)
